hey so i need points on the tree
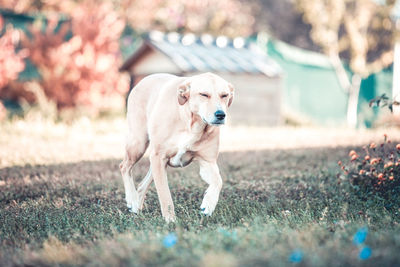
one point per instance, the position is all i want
(358, 30)
(228, 17)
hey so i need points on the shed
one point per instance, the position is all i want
(255, 76)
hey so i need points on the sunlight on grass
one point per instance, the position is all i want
(46, 142)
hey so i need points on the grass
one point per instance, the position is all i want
(280, 195)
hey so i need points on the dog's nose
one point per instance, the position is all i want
(220, 115)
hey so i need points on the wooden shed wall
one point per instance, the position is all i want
(152, 62)
(257, 99)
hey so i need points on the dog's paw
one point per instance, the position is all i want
(133, 206)
(206, 209)
(133, 209)
(170, 218)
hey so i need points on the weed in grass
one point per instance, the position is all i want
(376, 170)
(365, 253)
(296, 256)
(360, 236)
(170, 240)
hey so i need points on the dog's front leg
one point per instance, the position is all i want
(158, 168)
(209, 172)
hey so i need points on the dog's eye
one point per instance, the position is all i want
(225, 95)
(205, 95)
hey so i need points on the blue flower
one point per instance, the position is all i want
(365, 253)
(170, 240)
(360, 236)
(296, 256)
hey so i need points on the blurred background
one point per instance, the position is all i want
(310, 156)
(296, 62)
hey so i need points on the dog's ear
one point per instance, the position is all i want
(231, 94)
(183, 93)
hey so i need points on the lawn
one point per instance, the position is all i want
(62, 202)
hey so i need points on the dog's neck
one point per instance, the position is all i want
(197, 125)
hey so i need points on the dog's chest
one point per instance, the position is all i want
(181, 159)
(183, 153)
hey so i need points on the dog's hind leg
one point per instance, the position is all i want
(144, 187)
(135, 148)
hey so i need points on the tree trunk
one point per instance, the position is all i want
(352, 104)
(396, 78)
(341, 73)
(351, 88)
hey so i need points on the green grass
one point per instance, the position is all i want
(273, 202)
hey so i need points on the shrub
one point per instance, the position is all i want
(376, 169)
(81, 71)
(11, 61)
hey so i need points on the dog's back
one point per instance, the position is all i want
(148, 89)
(146, 93)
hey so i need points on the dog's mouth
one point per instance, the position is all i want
(218, 122)
(214, 123)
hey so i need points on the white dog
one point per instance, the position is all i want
(178, 119)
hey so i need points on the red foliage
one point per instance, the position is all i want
(11, 62)
(82, 71)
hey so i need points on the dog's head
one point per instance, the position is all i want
(208, 96)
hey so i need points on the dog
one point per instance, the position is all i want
(177, 119)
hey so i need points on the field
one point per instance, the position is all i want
(62, 201)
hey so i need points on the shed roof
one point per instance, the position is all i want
(191, 53)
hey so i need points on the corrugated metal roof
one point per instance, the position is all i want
(206, 53)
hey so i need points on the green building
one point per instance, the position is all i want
(312, 92)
